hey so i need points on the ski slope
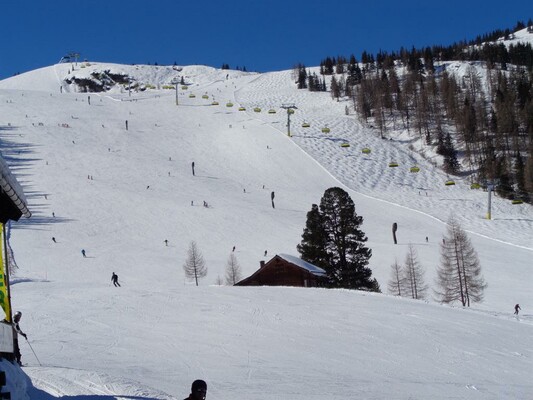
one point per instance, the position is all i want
(119, 194)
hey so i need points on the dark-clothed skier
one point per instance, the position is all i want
(198, 390)
(516, 309)
(17, 331)
(114, 279)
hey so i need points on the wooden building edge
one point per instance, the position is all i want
(286, 270)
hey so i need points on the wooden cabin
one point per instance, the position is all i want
(286, 270)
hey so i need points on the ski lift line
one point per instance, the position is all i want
(349, 189)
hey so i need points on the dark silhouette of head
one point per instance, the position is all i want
(198, 390)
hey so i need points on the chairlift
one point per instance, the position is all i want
(345, 144)
(271, 111)
(242, 109)
(290, 110)
(184, 87)
(414, 169)
(257, 109)
(517, 201)
(205, 96)
(475, 185)
(214, 103)
(366, 150)
(306, 125)
(325, 129)
(229, 104)
(393, 164)
(192, 96)
(449, 182)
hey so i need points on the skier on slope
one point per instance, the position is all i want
(17, 331)
(516, 309)
(198, 390)
(114, 279)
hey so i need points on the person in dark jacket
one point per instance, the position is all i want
(17, 331)
(198, 390)
(516, 309)
(114, 279)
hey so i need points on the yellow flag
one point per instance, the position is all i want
(4, 300)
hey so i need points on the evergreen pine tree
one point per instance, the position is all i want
(302, 77)
(451, 165)
(333, 241)
(335, 88)
(313, 245)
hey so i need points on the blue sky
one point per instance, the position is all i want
(261, 35)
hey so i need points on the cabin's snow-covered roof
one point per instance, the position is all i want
(303, 264)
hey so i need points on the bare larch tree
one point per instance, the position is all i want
(459, 275)
(414, 275)
(396, 283)
(194, 266)
(233, 270)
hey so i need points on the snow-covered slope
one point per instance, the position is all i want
(520, 36)
(120, 193)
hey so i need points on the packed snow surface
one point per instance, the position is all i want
(119, 193)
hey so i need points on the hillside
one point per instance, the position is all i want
(118, 194)
(466, 107)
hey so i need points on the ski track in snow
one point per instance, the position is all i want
(78, 384)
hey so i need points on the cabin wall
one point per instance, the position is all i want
(278, 272)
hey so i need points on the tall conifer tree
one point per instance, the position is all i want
(334, 241)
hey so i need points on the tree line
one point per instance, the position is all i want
(487, 116)
(334, 241)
